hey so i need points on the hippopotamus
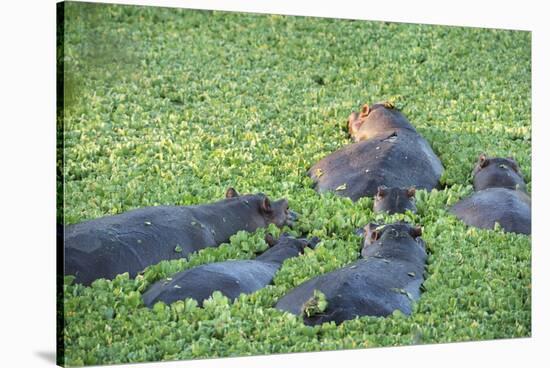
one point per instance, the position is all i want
(388, 151)
(509, 207)
(386, 279)
(231, 278)
(394, 200)
(497, 172)
(133, 240)
(499, 197)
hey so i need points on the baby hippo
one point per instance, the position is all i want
(387, 279)
(231, 278)
(499, 198)
(394, 200)
(497, 172)
(131, 241)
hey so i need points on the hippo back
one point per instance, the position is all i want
(131, 241)
(372, 286)
(402, 159)
(231, 278)
(510, 208)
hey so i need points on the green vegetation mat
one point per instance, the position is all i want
(172, 106)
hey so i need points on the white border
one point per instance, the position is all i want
(27, 180)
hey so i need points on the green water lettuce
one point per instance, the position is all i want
(172, 106)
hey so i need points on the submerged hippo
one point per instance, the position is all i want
(389, 152)
(509, 207)
(131, 241)
(231, 278)
(387, 279)
(394, 200)
(497, 172)
(496, 198)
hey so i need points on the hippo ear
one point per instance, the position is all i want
(371, 234)
(483, 160)
(415, 232)
(353, 122)
(270, 240)
(411, 192)
(365, 110)
(266, 205)
(371, 227)
(231, 193)
(374, 235)
(381, 191)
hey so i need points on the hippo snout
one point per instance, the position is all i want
(313, 242)
(291, 218)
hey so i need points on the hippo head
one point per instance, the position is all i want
(394, 200)
(286, 240)
(380, 118)
(276, 212)
(285, 247)
(497, 172)
(374, 233)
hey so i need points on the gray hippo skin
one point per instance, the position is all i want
(510, 208)
(231, 278)
(394, 200)
(131, 241)
(497, 172)
(388, 152)
(500, 197)
(388, 278)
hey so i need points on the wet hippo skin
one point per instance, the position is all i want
(497, 172)
(510, 208)
(388, 152)
(131, 241)
(394, 200)
(499, 197)
(388, 278)
(231, 278)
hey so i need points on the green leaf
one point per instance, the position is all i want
(109, 313)
(341, 187)
(315, 305)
